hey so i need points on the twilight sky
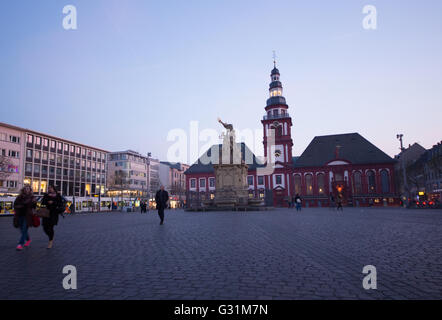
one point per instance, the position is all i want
(136, 69)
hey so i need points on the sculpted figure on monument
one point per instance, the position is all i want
(228, 126)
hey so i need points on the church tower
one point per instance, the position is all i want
(277, 118)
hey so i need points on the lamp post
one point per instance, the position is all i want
(149, 155)
(404, 173)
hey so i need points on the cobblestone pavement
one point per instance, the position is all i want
(280, 254)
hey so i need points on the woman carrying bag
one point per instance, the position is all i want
(54, 203)
(24, 206)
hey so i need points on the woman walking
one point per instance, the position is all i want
(23, 206)
(298, 202)
(54, 203)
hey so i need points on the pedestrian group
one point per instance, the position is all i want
(29, 215)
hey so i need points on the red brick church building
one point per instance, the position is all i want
(344, 165)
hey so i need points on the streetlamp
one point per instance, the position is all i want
(404, 173)
(149, 155)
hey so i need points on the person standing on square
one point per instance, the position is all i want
(161, 199)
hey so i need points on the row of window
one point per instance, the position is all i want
(127, 157)
(45, 156)
(277, 112)
(250, 181)
(320, 182)
(8, 184)
(60, 146)
(10, 153)
(137, 182)
(276, 93)
(37, 169)
(66, 188)
(202, 183)
(356, 186)
(9, 138)
(138, 174)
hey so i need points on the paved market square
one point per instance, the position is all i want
(279, 254)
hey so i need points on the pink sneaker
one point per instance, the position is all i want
(28, 243)
(19, 247)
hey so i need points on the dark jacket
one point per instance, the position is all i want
(54, 207)
(161, 199)
(23, 207)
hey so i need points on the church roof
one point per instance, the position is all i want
(247, 155)
(351, 147)
(294, 160)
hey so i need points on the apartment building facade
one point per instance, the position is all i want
(11, 152)
(128, 174)
(154, 176)
(40, 160)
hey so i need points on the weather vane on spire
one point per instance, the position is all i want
(274, 58)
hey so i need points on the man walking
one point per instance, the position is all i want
(161, 199)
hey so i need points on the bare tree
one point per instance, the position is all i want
(5, 163)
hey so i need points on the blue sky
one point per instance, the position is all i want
(135, 69)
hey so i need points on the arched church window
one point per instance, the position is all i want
(297, 184)
(371, 181)
(309, 184)
(385, 180)
(279, 131)
(357, 182)
(321, 183)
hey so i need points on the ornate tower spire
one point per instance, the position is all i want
(275, 90)
(278, 118)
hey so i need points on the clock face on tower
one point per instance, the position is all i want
(278, 153)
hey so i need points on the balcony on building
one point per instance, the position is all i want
(276, 116)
